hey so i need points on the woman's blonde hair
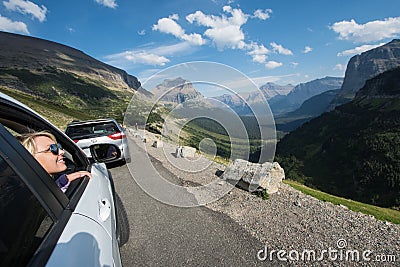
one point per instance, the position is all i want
(28, 139)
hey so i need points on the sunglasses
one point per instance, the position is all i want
(53, 148)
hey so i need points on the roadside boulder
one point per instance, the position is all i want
(253, 176)
(185, 152)
(188, 152)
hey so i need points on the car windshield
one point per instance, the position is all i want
(91, 130)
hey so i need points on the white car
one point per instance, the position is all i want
(42, 226)
(100, 131)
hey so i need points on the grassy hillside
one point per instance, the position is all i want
(62, 82)
(383, 214)
(353, 151)
(58, 115)
(66, 90)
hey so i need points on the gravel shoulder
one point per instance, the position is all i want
(294, 222)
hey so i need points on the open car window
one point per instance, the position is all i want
(19, 121)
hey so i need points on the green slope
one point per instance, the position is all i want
(58, 115)
(353, 151)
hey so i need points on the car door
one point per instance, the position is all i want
(90, 233)
(32, 216)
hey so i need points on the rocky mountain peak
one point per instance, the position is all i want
(366, 66)
(177, 82)
(271, 89)
(177, 90)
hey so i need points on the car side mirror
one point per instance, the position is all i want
(105, 152)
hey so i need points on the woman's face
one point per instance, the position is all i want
(50, 162)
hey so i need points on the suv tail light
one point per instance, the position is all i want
(117, 136)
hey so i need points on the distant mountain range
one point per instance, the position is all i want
(178, 90)
(307, 97)
(302, 92)
(241, 105)
(172, 92)
(311, 99)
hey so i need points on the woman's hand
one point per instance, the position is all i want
(77, 175)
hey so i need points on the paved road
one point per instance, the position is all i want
(164, 235)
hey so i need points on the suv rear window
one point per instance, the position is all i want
(91, 130)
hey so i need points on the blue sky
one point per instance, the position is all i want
(269, 41)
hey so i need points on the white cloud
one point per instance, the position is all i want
(194, 38)
(258, 52)
(135, 57)
(142, 32)
(280, 49)
(170, 26)
(294, 64)
(151, 56)
(12, 26)
(27, 7)
(307, 49)
(169, 50)
(273, 64)
(260, 58)
(358, 50)
(262, 14)
(230, 36)
(225, 32)
(107, 3)
(369, 32)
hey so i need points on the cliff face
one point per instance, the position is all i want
(386, 85)
(34, 54)
(366, 66)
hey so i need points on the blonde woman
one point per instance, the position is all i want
(45, 149)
